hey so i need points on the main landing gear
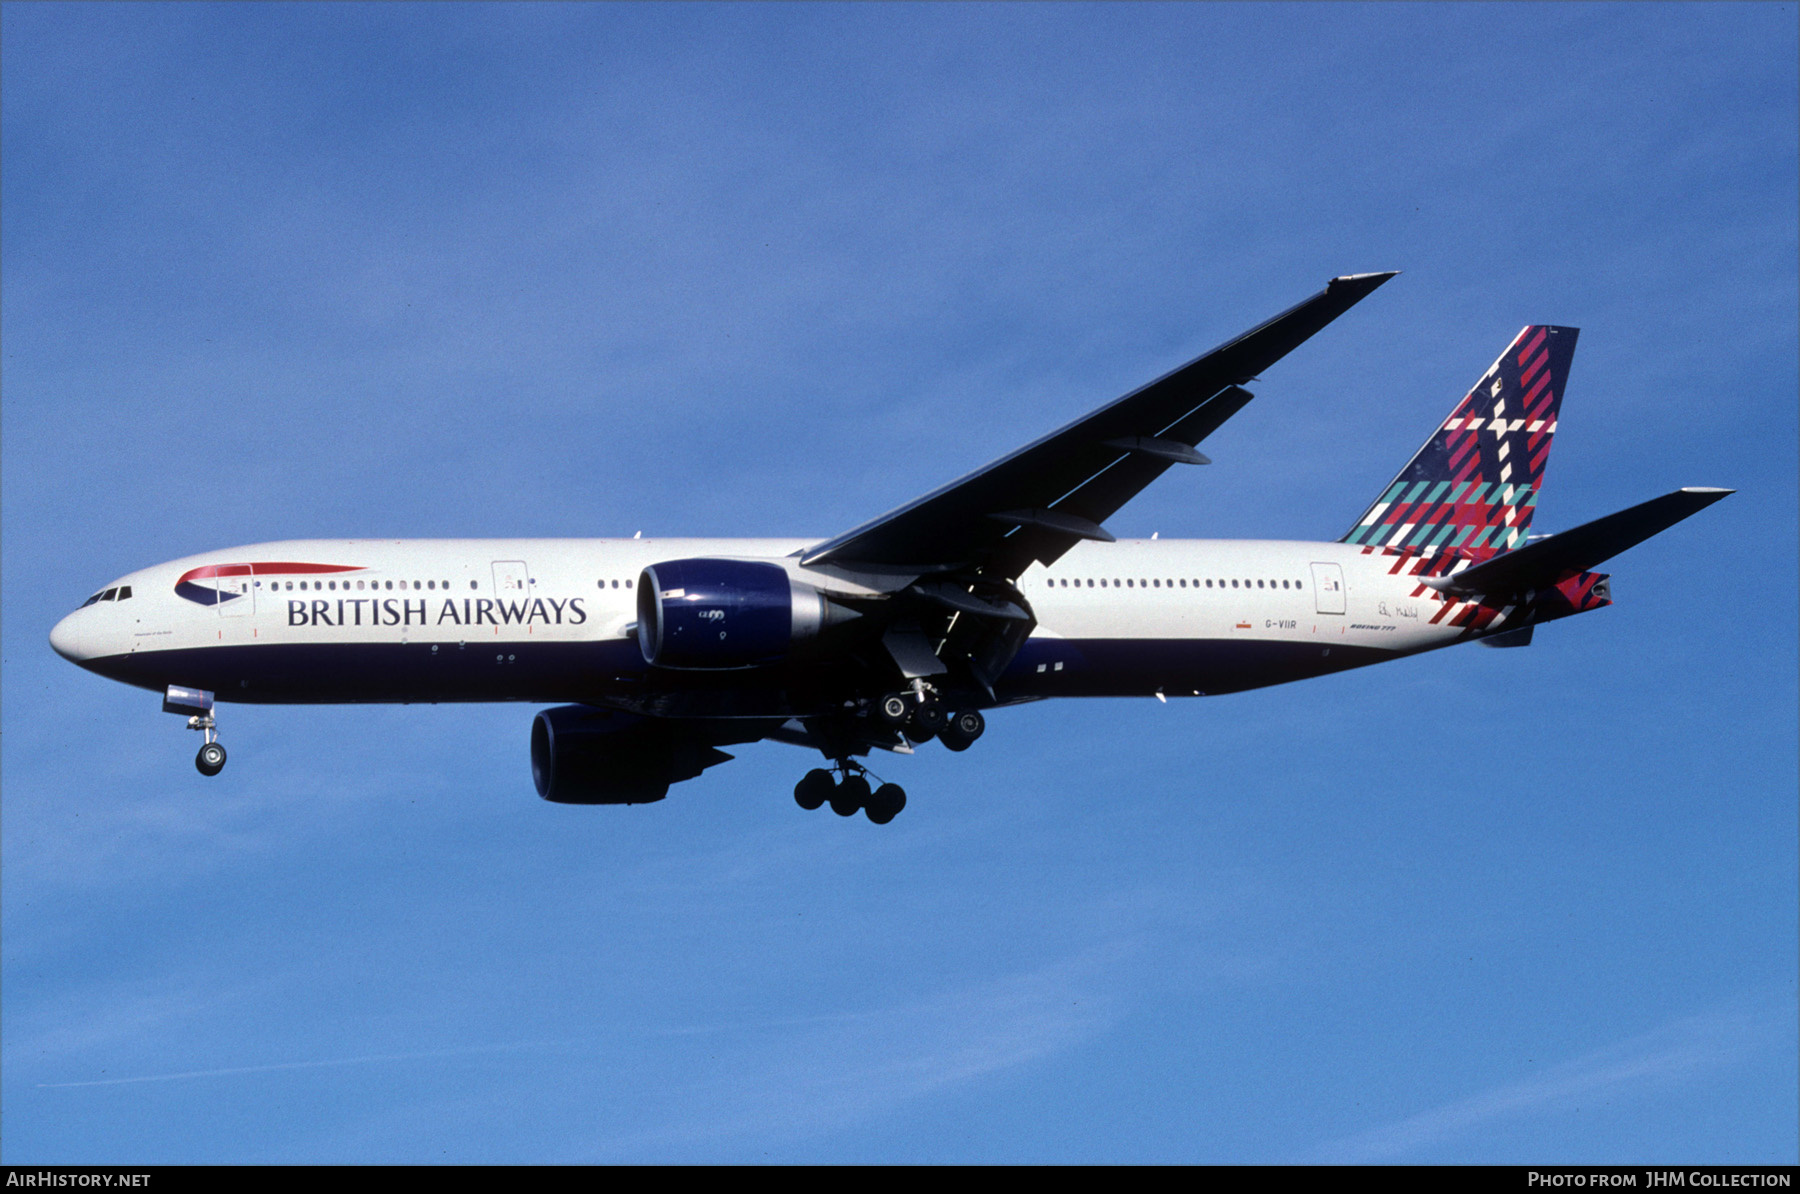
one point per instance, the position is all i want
(819, 787)
(922, 716)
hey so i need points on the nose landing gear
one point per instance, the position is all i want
(211, 759)
(197, 704)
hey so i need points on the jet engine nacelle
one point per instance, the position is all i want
(715, 614)
(582, 755)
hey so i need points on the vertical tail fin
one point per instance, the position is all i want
(1475, 482)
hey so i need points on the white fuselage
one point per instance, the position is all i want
(552, 619)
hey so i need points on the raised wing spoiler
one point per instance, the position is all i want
(1037, 502)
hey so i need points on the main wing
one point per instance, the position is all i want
(1036, 503)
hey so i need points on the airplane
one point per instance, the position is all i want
(999, 588)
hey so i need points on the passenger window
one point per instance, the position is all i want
(1259, 584)
(628, 584)
(1297, 584)
(1234, 584)
(1090, 583)
(472, 584)
(615, 584)
(430, 584)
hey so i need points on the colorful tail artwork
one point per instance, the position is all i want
(1468, 495)
(1475, 483)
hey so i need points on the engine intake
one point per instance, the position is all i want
(715, 614)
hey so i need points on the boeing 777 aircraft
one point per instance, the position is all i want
(998, 588)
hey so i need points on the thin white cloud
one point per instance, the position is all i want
(824, 1073)
(1675, 1052)
(323, 1063)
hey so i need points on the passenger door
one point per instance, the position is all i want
(237, 595)
(511, 579)
(1328, 588)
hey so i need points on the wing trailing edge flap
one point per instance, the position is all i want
(1083, 473)
(1544, 562)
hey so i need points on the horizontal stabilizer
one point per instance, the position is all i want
(1541, 564)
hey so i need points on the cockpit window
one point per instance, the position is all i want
(124, 592)
(110, 595)
(92, 599)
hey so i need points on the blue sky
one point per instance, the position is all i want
(297, 271)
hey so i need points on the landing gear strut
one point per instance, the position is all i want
(850, 793)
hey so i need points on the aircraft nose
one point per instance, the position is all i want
(67, 640)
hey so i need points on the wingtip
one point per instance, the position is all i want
(1371, 280)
